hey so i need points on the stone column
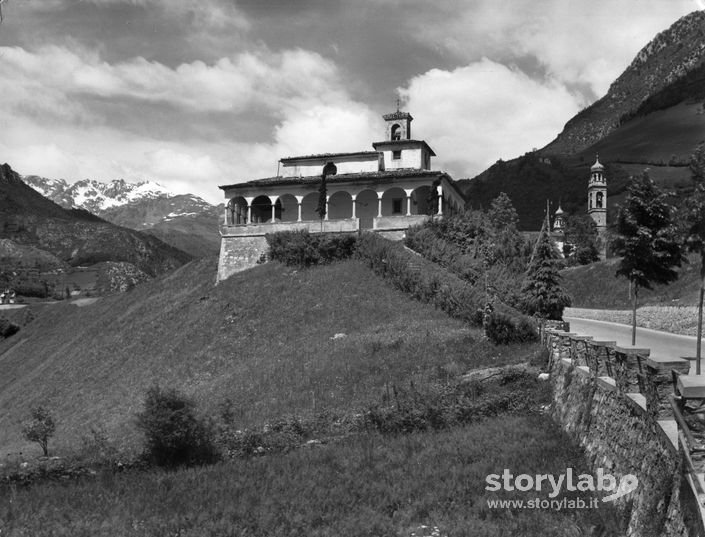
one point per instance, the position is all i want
(354, 198)
(327, 200)
(408, 201)
(379, 204)
(299, 199)
(440, 200)
(274, 208)
(249, 209)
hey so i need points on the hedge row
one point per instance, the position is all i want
(426, 281)
(303, 249)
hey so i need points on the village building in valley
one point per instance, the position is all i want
(386, 190)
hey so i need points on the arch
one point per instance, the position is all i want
(287, 208)
(396, 132)
(308, 207)
(261, 209)
(366, 208)
(598, 200)
(237, 211)
(394, 202)
(421, 201)
(340, 205)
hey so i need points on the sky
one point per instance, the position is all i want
(200, 93)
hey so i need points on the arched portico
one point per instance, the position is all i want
(366, 208)
(288, 210)
(394, 202)
(340, 205)
(236, 211)
(262, 210)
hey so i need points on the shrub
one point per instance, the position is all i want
(174, 435)
(303, 249)
(40, 427)
(503, 329)
(8, 328)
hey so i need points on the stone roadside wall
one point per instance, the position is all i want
(614, 402)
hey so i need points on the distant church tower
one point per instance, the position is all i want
(559, 229)
(597, 196)
(597, 203)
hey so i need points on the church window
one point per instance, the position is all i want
(396, 155)
(396, 132)
(590, 201)
(396, 205)
(599, 200)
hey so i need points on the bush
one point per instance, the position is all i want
(40, 427)
(8, 328)
(503, 329)
(174, 435)
(303, 249)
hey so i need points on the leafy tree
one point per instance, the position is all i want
(542, 293)
(695, 232)
(646, 240)
(581, 238)
(39, 427)
(173, 432)
(501, 231)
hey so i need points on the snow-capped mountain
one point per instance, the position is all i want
(185, 221)
(95, 196)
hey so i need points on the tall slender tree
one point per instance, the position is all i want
(695, 234)
(646, 240)
(542, 293)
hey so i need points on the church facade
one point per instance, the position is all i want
(386, 191)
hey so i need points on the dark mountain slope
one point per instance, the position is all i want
(76, 236)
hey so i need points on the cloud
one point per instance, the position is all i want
(582, 43)
(262, 78)
(474, 115)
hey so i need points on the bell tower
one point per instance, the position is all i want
(398, 126)
(597, 196)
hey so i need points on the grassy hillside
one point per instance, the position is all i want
(264, 338)
(596, 286)
(429, 484)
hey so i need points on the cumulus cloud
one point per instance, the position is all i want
(583, 43)
(272, 80)
(58, 105)
(477, 114)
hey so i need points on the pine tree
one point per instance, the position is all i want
(695, 233)
(542, 293)
(646, 240)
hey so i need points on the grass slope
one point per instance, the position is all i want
(425, 484)
(596, 286)
(262, 338)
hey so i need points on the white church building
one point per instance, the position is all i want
(385, 190)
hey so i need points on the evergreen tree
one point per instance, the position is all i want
(695, 233)
(646, 240)
(542, 293)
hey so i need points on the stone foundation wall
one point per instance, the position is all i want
(613, 402)
(239, 253)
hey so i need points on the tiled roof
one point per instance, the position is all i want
(341, 178)
(332, 155)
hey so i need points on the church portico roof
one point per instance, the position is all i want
(363, 177)
(356, 154)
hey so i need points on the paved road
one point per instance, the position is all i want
(660, 343)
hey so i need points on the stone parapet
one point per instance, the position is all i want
(615, 402)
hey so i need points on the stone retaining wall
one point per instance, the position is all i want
(614, 402)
